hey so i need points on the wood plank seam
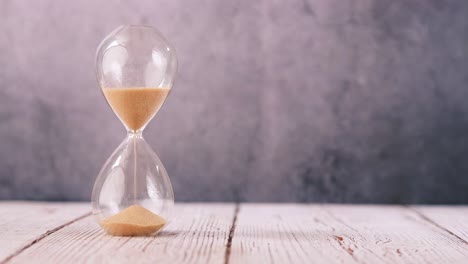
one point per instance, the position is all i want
(434, 223)
(41, 237)
(227, 253)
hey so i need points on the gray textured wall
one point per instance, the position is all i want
(319, 100)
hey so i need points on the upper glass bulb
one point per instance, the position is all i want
(137, 57)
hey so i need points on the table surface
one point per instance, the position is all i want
(43, 232)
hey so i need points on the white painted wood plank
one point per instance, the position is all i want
(340, 234)
(396, 234)
(271, 233)
(197, 235)
(452, 218)
(23, 222)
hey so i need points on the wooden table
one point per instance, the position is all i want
(246, 233)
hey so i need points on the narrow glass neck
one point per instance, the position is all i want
(137, 134)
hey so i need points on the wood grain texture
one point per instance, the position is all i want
(395, 234)
(454, 219)
(249, 233)
(197, 235)
(340, 234)
(24, 223)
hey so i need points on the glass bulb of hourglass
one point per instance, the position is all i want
(132, 194)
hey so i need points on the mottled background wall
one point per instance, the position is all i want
(316, 100)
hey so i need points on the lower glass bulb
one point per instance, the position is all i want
(132, 195)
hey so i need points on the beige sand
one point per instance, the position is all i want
(133, 221)
(135, 106)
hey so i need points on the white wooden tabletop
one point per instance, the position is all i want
(36, 232)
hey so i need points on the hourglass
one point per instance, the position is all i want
(132, 195)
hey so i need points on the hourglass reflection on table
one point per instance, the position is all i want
(132, 194)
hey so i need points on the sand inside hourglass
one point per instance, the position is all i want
(133, 221)
(135, 106)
